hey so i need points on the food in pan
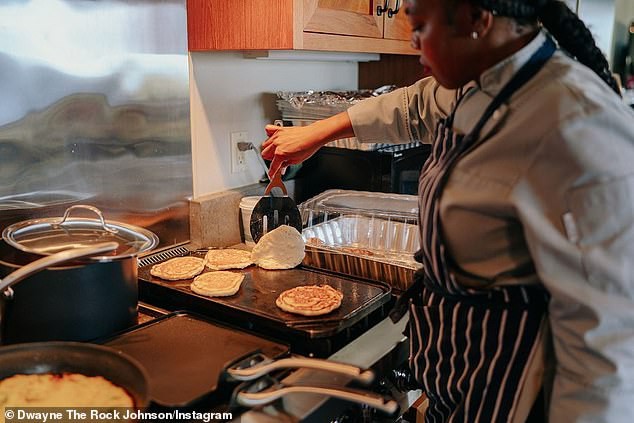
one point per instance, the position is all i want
(282, 248)
(178, 268)
(217, 284)
(62, 390)
(358, 251)
(228, 258)
(310, 300)
(315, 242)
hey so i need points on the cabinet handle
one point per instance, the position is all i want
(391, 12)
(380, 9)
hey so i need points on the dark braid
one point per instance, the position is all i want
(570, 32)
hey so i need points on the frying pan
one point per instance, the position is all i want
(77, 357)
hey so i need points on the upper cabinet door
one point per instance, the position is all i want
(342, 17)
(239, 25)
(396, 26)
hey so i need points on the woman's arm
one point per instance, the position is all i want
(294, 144)
(401, 116)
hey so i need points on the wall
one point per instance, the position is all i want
(599, 17)
(624, 15)
(232, 93)
(609, 22)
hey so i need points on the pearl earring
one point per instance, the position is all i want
(474, 35)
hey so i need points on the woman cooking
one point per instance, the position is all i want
(524, 309)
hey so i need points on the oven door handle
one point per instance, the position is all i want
(256, 371)
(252, 399)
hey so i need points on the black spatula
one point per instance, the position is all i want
(271, 212)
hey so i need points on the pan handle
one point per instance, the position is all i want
(251, 399)
(57, 258)
(253, 372)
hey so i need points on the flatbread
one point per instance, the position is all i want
(310, 300)
(228, 258)
(217, 284)
(282, 248)
(178, 268)
(70, 390)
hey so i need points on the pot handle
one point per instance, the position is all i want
(57, 258)
(92, 209)
(251, 399)
(253, 372)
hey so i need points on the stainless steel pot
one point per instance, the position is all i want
(77, 278)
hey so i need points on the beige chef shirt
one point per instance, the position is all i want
(547, 196)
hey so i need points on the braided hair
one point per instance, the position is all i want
(570, 32)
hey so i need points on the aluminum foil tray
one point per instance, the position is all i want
(364, 246)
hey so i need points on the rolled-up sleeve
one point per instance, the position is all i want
(404, 115)
(581, 236)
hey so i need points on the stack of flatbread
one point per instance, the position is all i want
(282, 248)
(228, 258)
(217, 284)
(178, 268)
(310, 300)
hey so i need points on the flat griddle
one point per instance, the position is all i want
(254, 304)
(185, 356)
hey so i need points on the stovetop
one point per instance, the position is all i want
(372, 342)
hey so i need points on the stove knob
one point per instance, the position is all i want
(346, 417)
(404, 380)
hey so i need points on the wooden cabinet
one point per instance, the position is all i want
(330, 25)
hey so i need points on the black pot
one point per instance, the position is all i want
(68, 289)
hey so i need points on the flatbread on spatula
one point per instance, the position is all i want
(217, 284)
(178, 268)
(228, 258)
(282, 248)
(310, 300)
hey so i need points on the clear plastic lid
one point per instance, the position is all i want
(367, 203)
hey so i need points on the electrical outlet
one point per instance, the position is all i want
(238, 158)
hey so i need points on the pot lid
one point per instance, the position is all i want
(48, 236)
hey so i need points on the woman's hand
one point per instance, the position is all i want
(288, 145)
(294, 144)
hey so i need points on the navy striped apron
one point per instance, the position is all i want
(468, 347)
